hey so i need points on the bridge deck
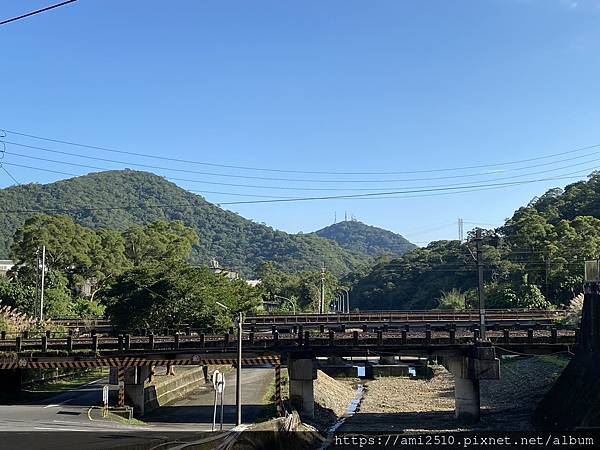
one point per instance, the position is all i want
(257, 344)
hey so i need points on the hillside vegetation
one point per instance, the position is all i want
(120, 199)
(534, 260)
(369, 240)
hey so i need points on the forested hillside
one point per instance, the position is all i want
(534, 260)
(120, 199)
(361, 238)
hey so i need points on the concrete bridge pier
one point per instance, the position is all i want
(135, 378)
(302, 373)
(480, 364)
(467, 401)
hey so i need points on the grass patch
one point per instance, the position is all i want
(123, 421)
(270, 409)
(557, 360)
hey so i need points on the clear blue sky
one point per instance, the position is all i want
(348, 86)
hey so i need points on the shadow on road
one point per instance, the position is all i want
(203, 414)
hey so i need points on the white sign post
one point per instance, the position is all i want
(105, 400)
(218, 380)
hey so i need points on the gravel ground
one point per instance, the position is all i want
(396, 404)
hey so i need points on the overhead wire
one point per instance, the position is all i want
(32, 13)
(297, 188)
(304, 180)
(372, 196)
(264, 169)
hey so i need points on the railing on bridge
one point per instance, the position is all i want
(276, 341)
(412, 316)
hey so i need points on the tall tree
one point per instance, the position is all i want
(159, 241)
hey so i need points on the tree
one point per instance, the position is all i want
(67, 244)
(523, 296)
(159, 241)
(107, 260)
(164, 294)
(17, 295)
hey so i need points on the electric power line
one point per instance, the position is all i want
(47, 8)
(164, 158)
(9, 174)
(305, 180)
(369, 196)
(295, 188)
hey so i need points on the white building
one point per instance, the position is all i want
(5, 266)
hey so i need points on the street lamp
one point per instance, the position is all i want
(238, 384)
(292, 302)
(345, 301)
(338, 301)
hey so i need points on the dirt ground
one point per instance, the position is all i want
(401, 404)
(332, 398)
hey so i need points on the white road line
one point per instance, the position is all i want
(62, 429)
(54, 405)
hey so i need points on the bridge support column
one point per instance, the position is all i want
(302, 373)
(135, 378)
(468, 370)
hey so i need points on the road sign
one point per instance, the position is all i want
(218, 381)
(105, 394)
(105, 400)
(215, 378)
(221, 384)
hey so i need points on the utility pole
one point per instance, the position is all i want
(322, 301)
(42, 287)
(461, 235)
(37, 281)
(479, 254)
(238, 384)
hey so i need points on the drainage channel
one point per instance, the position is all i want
(350, 411)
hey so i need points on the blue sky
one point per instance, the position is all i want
(334, 86)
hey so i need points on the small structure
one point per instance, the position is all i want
(5, 266)
(217, 269)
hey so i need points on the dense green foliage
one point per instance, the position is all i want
(77, 258)
(141, 275)
(298, 292)
(237, 243)
(160, 295)
(366, 239)
(535, 260)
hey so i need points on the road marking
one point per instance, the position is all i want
(66, 421)
(62, 429)
(54, 405)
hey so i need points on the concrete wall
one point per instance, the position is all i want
(165, 389)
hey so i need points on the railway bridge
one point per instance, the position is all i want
(460, 347)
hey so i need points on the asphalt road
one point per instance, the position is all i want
(198, 407)
(65, 422)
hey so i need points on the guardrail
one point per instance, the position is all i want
(422, 316)
(275, 341)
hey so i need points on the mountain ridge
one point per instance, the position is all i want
(359, 237)
(239, 244)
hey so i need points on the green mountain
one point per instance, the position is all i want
(534, 260)
(119, 199)
(366, 239)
